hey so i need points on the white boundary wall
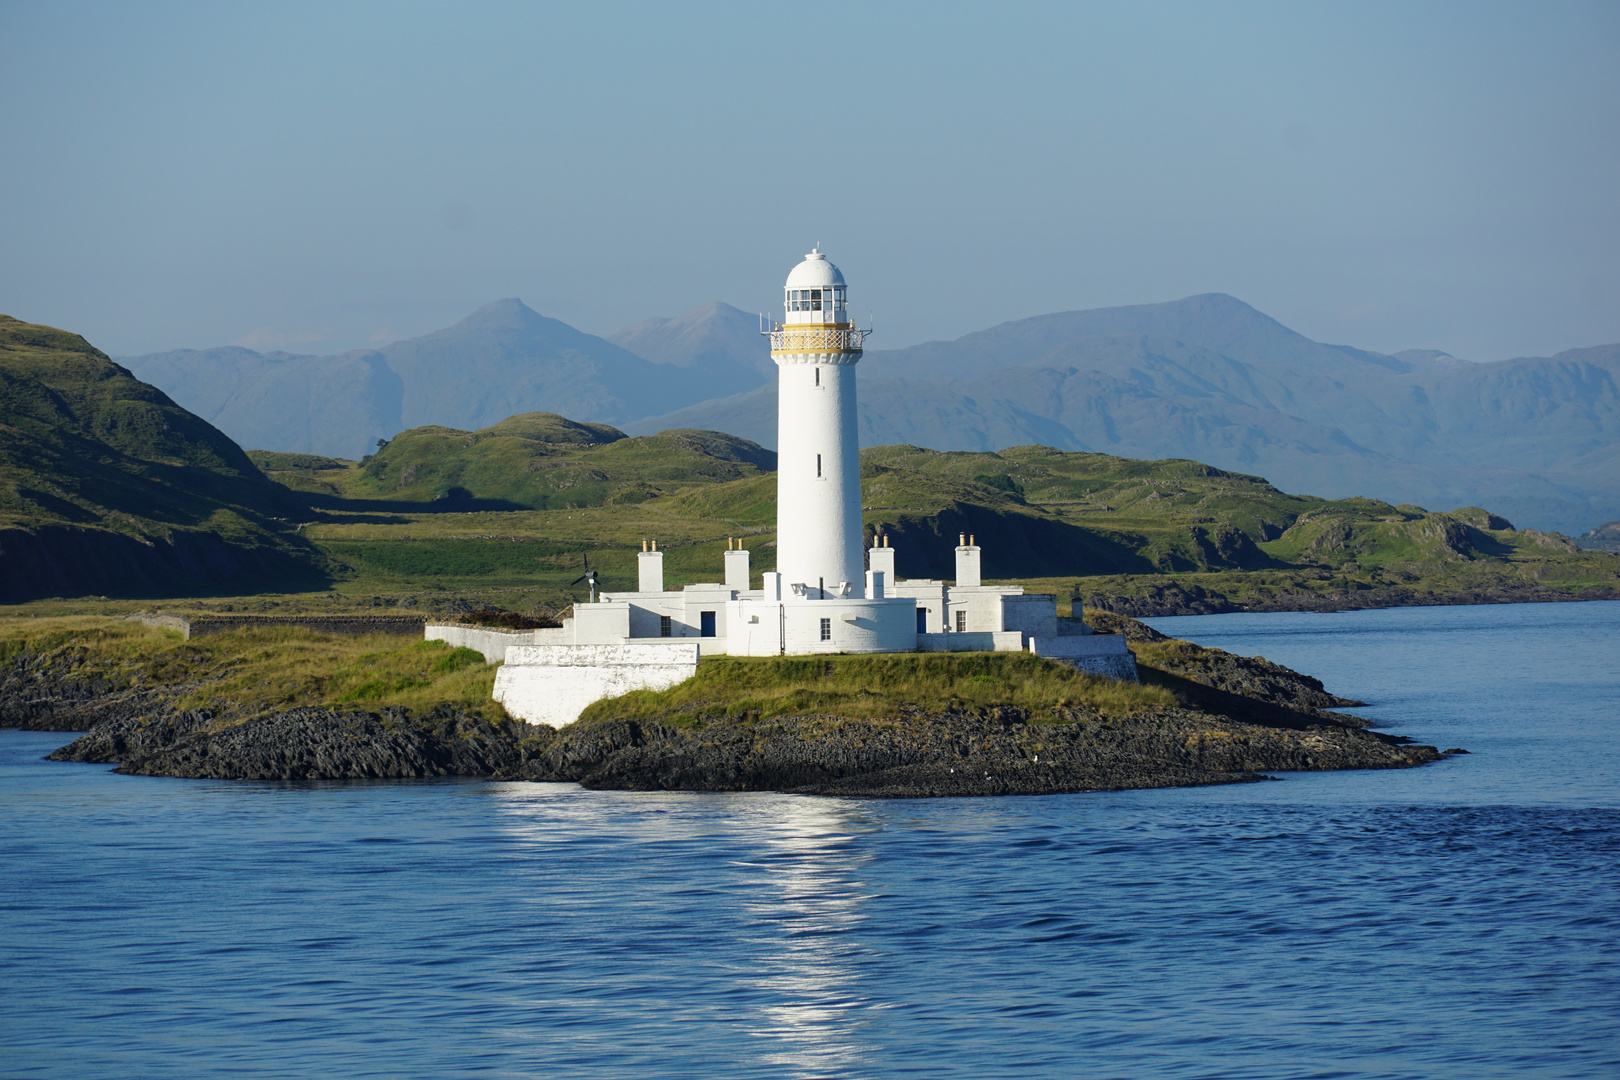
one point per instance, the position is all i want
(492, 643)
(1095, 654)
(552, 684)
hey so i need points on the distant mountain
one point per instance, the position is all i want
(107, 486)
(501, 360)
(715, 336)
(1211, 378)
(327, 404)
(1207, 378)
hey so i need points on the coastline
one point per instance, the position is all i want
(1232, 720)
(1163, 601)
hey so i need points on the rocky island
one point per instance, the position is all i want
(287, 704)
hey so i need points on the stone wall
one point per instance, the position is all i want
(191, 626)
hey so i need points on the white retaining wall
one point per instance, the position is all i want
(492, 643)
(552, 684)
(972, 641)
(1097, 654)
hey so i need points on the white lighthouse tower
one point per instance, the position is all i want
(818, 479)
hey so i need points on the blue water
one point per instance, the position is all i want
(1460, 920)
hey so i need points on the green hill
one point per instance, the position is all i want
(109, 487)
(537, 461)
(524, 506)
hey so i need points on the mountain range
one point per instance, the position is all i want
(1208, 378)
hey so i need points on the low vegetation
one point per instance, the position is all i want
(250, 672)
(870, 687)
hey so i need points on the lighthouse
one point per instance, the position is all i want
(821, 598)
(818, 480)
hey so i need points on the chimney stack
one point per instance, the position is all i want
(736, 565)
(650, 567)
(967, 562)
(880, 557)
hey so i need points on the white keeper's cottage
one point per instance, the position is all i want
(825, 596)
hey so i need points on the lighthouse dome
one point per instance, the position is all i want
(815, 272)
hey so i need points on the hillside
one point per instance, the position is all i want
(107, 486)
(515, 512)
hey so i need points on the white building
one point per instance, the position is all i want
(825, 596)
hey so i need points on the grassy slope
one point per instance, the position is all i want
(249, 672)
(866, 687)
(513, 514)
(89, 454)
(1061, 522)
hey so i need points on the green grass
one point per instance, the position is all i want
(866, 687)
(257, 670)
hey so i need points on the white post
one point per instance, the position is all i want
(967, 563)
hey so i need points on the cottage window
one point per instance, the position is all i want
(826, 629)
(665, 627)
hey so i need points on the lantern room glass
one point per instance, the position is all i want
(831, 299)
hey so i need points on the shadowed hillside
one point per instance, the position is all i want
(107, 486)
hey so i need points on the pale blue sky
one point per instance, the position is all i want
(317, 176)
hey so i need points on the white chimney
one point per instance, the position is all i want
(772, 582)
(650, 564)
(880, 557)
(737, 567)
(967, 562)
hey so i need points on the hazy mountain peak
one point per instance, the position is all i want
(505, 314)
(713, 335)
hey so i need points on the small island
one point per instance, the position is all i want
(292, 703)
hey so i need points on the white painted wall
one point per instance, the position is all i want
(855, 626)
(1098, 654)
(552, 684)
(492, 643)
(982, 641)
(928, 594)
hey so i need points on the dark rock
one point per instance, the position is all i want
(947, 754)
(301, 744)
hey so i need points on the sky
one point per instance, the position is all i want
(325, 176)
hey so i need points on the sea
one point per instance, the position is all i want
(1456, 920)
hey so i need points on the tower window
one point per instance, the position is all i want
(818, 466)
(826, 629)
(818, 376)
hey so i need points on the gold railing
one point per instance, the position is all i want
(816, 339)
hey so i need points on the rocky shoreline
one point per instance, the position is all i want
(1240, 718)
(1162, 601)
